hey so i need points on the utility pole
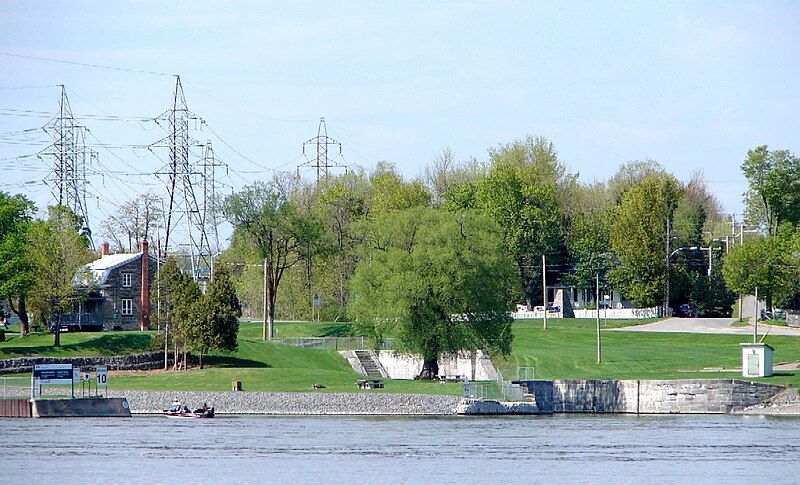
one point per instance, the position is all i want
(321, 163)
(597, 283)
(666, 286)
(755, 322)
(266, 332)
(70, 154)
(544, 290)
(710, 250)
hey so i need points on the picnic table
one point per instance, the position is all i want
(370, 384)
(443, 378)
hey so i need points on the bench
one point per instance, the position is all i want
(450, 378)
(370, 384)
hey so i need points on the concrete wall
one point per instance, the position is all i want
(648, 396)
(80, 408)
(475, 365)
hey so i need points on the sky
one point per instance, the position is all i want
(693, 85)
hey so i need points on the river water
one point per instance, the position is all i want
(363, 450)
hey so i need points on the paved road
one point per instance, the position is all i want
(708, 325)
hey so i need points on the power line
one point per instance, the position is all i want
(85, 64)
(47, 114)
(229, 105)
(29, 87)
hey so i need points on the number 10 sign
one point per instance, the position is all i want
(101, 375)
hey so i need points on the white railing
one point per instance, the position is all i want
(619, 313)
(526, 373)
(17, 386)
(610, 313)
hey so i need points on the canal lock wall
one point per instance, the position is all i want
(690, 396)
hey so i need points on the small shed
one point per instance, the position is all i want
(756, 360)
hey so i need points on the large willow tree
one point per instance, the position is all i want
(435, 281)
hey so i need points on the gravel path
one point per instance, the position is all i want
(294, 403)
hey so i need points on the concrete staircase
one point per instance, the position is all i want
(370, 363)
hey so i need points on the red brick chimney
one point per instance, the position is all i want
(104, 249)
(144, 322)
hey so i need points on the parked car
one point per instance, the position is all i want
(775, 314)
(686, 311)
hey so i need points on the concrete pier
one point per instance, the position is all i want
(81, 408)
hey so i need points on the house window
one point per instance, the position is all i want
(126, 279)
(127, 306)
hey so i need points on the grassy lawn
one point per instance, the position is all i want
(261, 366)
(567, 350)
(75, 344)
(264, 366)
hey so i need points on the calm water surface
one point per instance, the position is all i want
(362, 450)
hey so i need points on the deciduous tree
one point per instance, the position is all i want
(773, 196)
(16, 266)
(437, 282)
(638, 238)
(280, 231)
(59, 250)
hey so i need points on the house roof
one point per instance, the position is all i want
(100, 269)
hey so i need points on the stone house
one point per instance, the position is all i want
(118, 295)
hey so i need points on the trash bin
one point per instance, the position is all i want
(236, 386)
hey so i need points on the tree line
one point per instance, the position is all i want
(313, 236)
(437, 261)
(440, 258)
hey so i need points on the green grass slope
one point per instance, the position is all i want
(567, 350)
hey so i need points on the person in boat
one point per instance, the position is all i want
(176, 406)
(185, 409)
(201, 410)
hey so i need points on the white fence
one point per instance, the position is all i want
(610, 313)
(617, 313)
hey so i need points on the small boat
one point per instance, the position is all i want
(198, 413)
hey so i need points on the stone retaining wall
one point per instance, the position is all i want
(147, 361)
(649, 396)
(294, 403)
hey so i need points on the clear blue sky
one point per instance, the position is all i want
(693, 85)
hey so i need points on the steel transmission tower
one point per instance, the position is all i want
(186, 228)
(210, 212)
(70, 155)
(321, 164)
